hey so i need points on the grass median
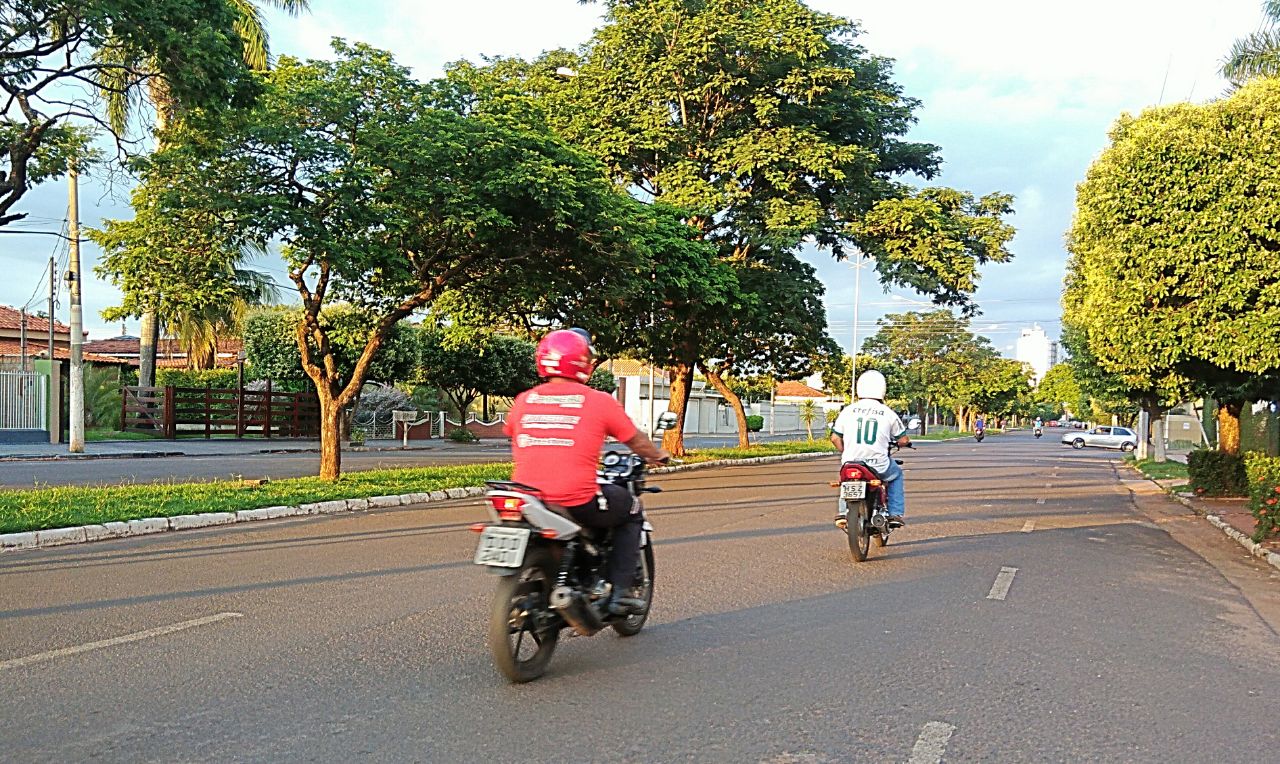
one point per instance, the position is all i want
(64, 506)
(1168, 470)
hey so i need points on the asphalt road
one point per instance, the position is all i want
(1130, 631)
(28, 473)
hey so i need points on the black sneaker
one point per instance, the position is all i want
(622, 605)
(896, 521)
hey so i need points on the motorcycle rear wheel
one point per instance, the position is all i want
(511, 622)
(632, 624)
(859, 531)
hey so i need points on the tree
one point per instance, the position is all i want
(808, 415)
(466, 368)
(51, 47)
(1172, 279)
(765, 121)
(1257, 54)
(924, 355)
(1060, 390)
(271, 345)
(385, 202)
(780, 326)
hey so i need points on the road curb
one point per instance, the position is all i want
(1255, 549)
(82, 534)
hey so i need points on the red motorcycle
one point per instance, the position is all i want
(864, 502)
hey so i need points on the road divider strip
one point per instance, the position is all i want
(931, 746)
(136, 636)
(80, 534)
(1004, 580)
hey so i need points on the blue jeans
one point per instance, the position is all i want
(896, 490)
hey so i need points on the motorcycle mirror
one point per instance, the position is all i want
(666, 420)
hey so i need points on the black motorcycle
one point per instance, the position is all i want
(554, 571)
(865, 506)
(979, 434)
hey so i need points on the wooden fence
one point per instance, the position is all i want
(172, 411)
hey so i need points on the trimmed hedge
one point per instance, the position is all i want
(1264, 492)
(1217, 473)
(755, 423)
(215, 378)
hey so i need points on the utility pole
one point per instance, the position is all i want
(53, 288)
(22, 340)
(77, 317)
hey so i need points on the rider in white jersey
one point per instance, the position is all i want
(863, 432)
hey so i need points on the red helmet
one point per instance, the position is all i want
(564, 353)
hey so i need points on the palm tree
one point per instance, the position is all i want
(1257, 55)
(808, 414)
(120, 91)
(198, 331)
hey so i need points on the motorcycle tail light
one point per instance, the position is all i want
(853, 472)
(875, 483)
(508, 507)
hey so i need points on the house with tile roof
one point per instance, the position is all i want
(12, 352)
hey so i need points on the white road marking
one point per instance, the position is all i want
(1029, 526)
(1040, 500)
(159, 631)
(1000, 589)
(932, 743)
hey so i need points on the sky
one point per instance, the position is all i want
(1018, 95)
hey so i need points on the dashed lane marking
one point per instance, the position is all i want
(932, 743)
(1040, 500)
(1000, 589)
(159, 631)
(1029, 526)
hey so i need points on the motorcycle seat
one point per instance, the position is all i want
(879, 475)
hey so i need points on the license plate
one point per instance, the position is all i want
(854, 489)
(502, 547)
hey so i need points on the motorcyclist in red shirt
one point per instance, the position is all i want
(557, 431)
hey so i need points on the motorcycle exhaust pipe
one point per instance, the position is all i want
(576, 611)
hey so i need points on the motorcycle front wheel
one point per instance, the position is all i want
(859, 531)
(632, 624)
(520, 652)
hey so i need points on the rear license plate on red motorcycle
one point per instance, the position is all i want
(854, 489)
(502, 547)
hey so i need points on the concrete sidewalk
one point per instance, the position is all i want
(142, 449)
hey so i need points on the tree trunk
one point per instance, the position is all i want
(330, 437)
(149, 335)
(1229, 426)
(739, 412)
(681, 384)
(922, 411)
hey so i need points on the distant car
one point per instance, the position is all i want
(1103, 437)
(1052, 423)
(913, 424)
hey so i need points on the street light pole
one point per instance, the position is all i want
(853, 363)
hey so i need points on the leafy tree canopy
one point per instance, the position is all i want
(271, 344)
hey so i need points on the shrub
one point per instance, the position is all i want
(462, 435)
(1263, 473)
(216, 378)
(1217, 473)
(755, 423)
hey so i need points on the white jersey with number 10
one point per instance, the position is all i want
(867, 427)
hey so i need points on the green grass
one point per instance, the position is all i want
(771, 448)
(106, 433)
(62, 506)
(1169, 470)
(943, 435)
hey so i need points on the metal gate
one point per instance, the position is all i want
(23, 397)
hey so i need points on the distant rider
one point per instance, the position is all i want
(557, 431)
(862, 432)
(980, 424)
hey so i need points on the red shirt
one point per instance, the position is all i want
(557, 432)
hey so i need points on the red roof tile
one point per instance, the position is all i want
(13, 349)
(798, 390)
(12, 319)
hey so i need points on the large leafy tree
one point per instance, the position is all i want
(385, 202)
(766, 122)
(1060, 390)
(1172, 280)
(271, 346)
(924, 355)
(465, 368)
(1257, 54)
(52, 47)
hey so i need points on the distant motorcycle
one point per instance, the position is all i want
(1039, 431)
(979, 434)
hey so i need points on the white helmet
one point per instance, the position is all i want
(871, 384)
